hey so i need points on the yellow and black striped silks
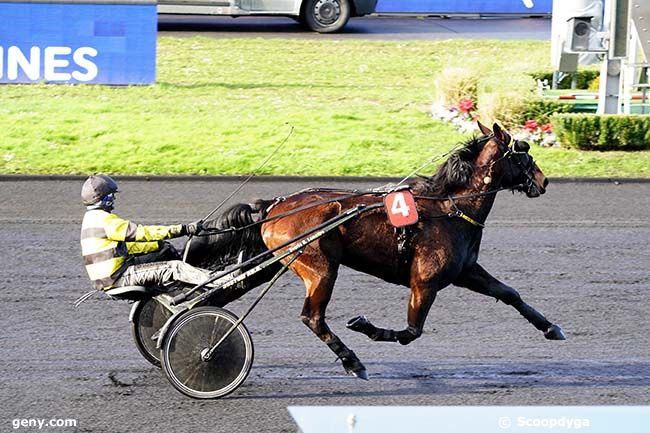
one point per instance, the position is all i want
(108, 240)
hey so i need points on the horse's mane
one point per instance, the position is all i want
(455, 172)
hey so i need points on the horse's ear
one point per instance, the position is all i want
(500, 134)
(484, 129)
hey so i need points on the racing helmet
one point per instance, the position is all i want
(98, 189)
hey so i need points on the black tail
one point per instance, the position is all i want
(216, 251)
(219, 250)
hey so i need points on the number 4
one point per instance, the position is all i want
(399, 206)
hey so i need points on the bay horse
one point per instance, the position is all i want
(441, 249)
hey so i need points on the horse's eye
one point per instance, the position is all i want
(521, 146)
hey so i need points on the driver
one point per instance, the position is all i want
(118, 253)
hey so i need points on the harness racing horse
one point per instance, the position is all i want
(441, 249)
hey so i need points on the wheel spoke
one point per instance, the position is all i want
(191, 376)
(215, 335)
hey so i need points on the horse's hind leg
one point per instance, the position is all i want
(422, 296)
(479, 280)
(319, 272)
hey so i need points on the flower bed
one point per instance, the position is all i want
(534, 133)
(464, 114)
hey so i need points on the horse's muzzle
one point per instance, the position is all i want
(535, 190)
(542, 189)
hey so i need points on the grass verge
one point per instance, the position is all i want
(220, 106)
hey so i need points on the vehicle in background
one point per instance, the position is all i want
(448, 8)
(323, 16)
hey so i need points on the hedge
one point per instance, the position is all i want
(585, 77)
(542, 110)
(603, 132)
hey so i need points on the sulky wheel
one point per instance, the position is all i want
(191, 335)
(148, 317)
(326, 16)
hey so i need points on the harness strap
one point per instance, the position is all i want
(460, 214)
(276, 201)
(404, 236)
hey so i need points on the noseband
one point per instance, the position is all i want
(509, 154)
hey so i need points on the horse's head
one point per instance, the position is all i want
(517, 168)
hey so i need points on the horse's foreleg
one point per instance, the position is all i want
(317, 267)
(422, 297)
(319, 291)
(480, 281)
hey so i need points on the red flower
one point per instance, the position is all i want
(531, 125)
(465, 105)
(547, 128)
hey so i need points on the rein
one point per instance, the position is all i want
(353, 194)
(210, 231)
(456, 213)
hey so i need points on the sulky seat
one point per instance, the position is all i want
(130, 292)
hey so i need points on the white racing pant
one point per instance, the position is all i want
(161, 273)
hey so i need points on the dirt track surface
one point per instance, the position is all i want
(579, 254)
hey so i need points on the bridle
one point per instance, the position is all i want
(513, 156)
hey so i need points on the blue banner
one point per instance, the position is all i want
(472, 419)
(78, 43)
(541, 7)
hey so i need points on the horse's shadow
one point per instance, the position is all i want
(423, 379)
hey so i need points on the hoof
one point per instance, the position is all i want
(361, 374)
(353, 365)
(358, 324)
(554, 333)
